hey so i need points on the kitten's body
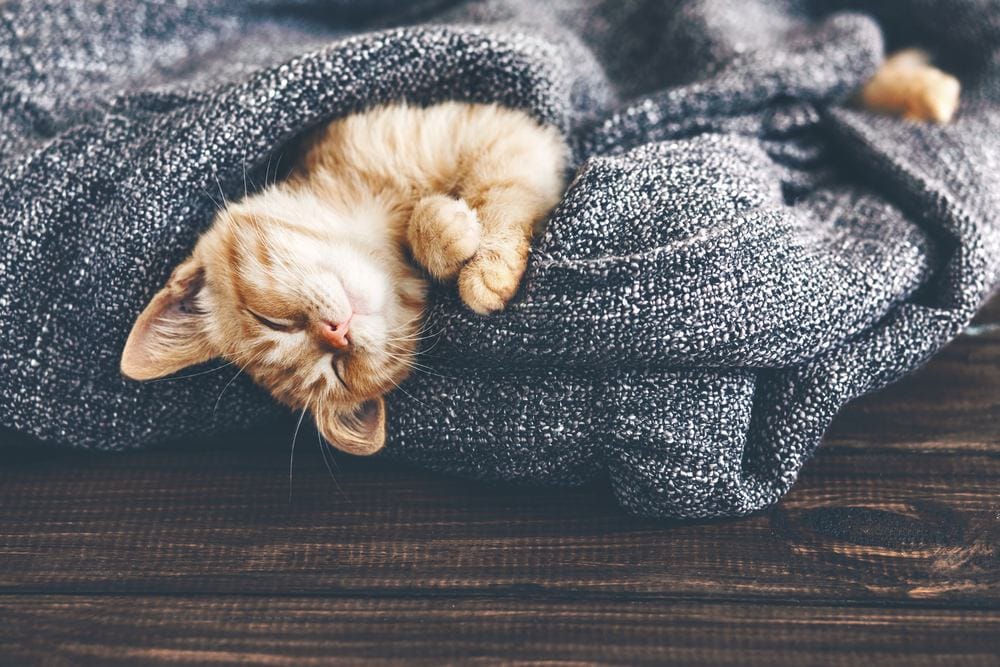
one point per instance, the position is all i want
(309, 287)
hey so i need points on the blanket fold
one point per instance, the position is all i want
(739, 253)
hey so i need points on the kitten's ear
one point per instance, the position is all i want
(359, 431)
(169, 334)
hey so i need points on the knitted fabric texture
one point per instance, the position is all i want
(739, 254)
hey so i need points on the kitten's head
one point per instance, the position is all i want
(320, 308)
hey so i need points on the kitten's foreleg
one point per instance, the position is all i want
(488, 250)
(443, 235)
(508, 213)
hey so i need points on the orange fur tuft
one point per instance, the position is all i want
(907, 85)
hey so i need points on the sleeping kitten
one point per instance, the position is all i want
(308, 285)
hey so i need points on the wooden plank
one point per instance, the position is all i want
(860, 526)
(109, 630)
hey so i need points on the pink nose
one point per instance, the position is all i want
(335, 335)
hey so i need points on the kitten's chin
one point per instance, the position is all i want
(375, 375)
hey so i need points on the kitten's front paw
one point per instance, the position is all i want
(443, 235)
(490, 280)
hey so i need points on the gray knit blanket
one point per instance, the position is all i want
(739, 254)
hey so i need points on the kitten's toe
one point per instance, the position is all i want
(443, 235)
(938, 96)
(490, 280)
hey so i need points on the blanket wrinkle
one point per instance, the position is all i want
(740, 252)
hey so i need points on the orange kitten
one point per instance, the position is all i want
(907, 85)
(308, 286)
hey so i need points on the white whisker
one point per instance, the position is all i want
(215, 410)
(291, 456)
(192, 375)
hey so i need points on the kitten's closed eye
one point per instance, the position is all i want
(277, 323)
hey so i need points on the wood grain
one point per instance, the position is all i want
(219, 520)
(111, 630)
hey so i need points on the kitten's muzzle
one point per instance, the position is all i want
(334, 334)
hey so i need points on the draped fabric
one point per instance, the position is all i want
(740, 252)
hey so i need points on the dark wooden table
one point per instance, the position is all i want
(886, 552)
